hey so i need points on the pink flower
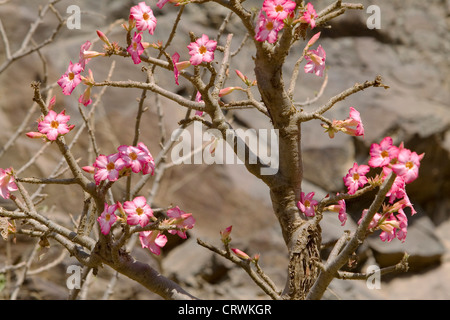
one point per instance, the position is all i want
(341, 208)
(83, 59)
(198, 98)
(54, 125)
(356, 117)
(134, 157)
(354, 120)
(408, 165)
(107, 218)
(136, 48)
(161, 3)
(374, 223)
(85, 98)
(402, 204)
(89, 81)
(182, 220)
(143, 14)
(382, 154)
(278, 9)
(403, 226)
(309, 15)
(176, 72)
(342, 211)
(397, 190)
(389, 226)
(178, 66)
(316, 61)
(153, 240)
(356, 177)
(138, 211)
(71, 78)
(149, 165)
(108, 167)
(7, 183)
(347, 125)
(202, 50)
(267, 29)
(306, 204)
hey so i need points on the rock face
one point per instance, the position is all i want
(410, 51)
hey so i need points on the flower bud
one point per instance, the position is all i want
(241, 254)
(225, 234)
(88, 54)
(313, 40)
(89, 169)
(85, 98)
(228, 90)
(104, 38)
(35, 135)
(52, 103)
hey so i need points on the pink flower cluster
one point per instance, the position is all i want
(271, 20)
(405, 165)
(7, 183)
(53, 125)
(275, 13)
(403, 162)
(142, 17)
(400, 161)
(72, 77)
(128, 158)
(308, 205)
(139, 212)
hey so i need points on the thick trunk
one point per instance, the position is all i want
(303, 240)
(301, 235)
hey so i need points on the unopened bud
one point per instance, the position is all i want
(241, 254)
(104, 38)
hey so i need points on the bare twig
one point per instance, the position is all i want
(304, 116)
(318, 95)
(261, 282)
(23, 51)
(401, 266)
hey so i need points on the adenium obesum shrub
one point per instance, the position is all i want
(278, 25)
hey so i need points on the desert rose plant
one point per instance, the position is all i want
(278, 28)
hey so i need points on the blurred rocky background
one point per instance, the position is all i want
(410, 51)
